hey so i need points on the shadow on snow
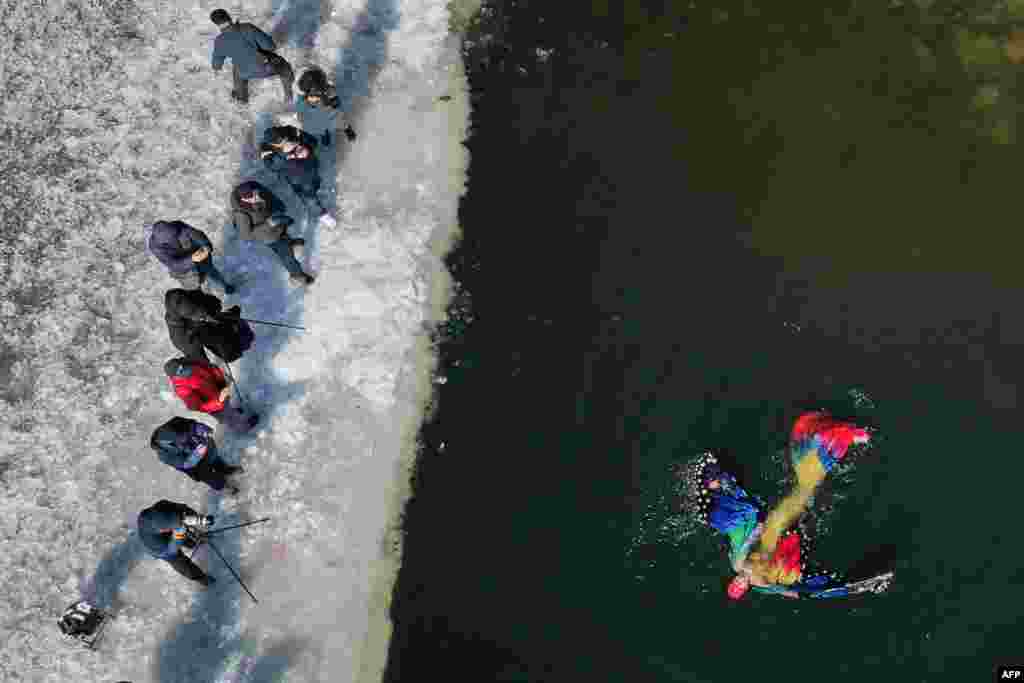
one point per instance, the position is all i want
(207, 645)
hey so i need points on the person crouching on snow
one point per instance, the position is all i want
(291, 154)
(203, 388)
(166, 527)
(259, 216)
(187, 253)
(188, 446)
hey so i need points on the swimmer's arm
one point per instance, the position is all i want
(774, 589)
(739, 557)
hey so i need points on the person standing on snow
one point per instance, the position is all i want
(252, 56)
(315, 92)
(185, 312)
(187, 253)
(204, 388)
(259, 216)
(291, 154)
(188, 446)
(166, 527)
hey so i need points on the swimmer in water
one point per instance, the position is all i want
(764, 551)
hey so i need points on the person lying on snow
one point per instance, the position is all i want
(167, 527)
(203, 388)
(260, 216)
(187, 254)
(291, 154)
(188, 446)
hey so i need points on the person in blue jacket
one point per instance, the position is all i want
(187, 253)
(252, 56)
(167, 527)
(316, 93)
(291, 153)
(188, 446)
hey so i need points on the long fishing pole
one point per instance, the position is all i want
(267, 322)
(233, 572)
(234, 383)
(236, 526)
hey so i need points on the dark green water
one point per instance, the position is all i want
(677, 237)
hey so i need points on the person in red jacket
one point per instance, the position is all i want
(203, 387)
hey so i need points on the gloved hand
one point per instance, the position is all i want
(180, 534)
(198, 523)
(350, 133)
(266, 150)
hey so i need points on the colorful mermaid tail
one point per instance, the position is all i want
(829, 438)
(786, 564)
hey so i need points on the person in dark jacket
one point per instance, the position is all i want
(167, 527)
(186, 311)
(204, 388)
(291, 153)
(187, 253)
(252, 56)
(315, 92)
(259, 216)
(188, 446)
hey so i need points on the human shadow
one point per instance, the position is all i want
(277, 659)
(357, 67)
(102, 588)
(196, 648)
(192, 650)
(296, 23)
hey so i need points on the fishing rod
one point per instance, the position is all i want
(237, 526)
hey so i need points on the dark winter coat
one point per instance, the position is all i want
(229, 338)
(314, 83)
(174, 242)
(302, 174)
(242, 43)
(183, 443)
(266, 222)
(186, 312)
(157, 525)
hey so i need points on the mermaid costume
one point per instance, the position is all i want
(740, 516)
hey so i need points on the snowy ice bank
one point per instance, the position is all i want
(119, 122)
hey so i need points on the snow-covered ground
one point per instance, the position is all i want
(112, 119)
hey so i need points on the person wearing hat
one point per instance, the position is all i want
(168, 527)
